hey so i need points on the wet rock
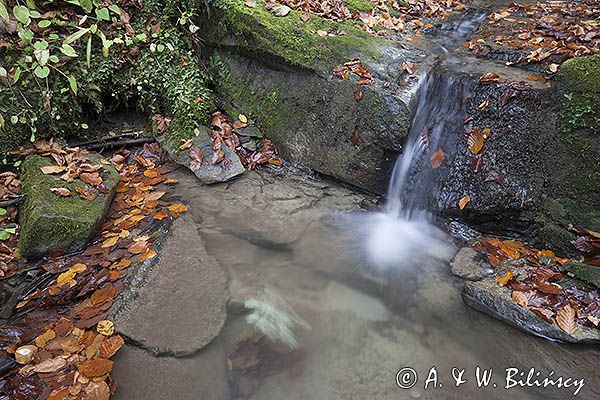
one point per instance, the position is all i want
(489, 297)
(200, 376)
(53, 223)
(586, 273)
(178, 306)
(279, 72)
(208, 173)
(469, 265)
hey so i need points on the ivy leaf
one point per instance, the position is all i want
(72, 83)
(44, 23)
(102, 14)
(3, 72)
(68, 50)
(3, 11)
(2, 211)
(74, 36)
(17, 75)
(86, 5)
(42, 56)
(4, 234)
(41, 72)
(22, 15)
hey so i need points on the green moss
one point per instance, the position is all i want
(359, 5)
(578, 78)
(50, 222)
(584, 272)
(289, 38)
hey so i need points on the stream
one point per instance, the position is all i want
(276, 231)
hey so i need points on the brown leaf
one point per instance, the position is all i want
(96, 391)
(110, 346)
(409, 67)
(520, 298)
(61, 191)
(53, 169)
(462, 203)
(93, 179)
(96, 367)
(437, 158)
(566, 319)
(489, 78)
(196, 157)
(358, 95)
(355, 139)
(103, 295)
(85, 194)
(50, 365)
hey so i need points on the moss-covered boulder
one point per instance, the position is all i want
(53, 223)
(278, 71)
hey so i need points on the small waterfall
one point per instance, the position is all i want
(404, 234)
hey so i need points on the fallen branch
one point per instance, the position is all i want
(119, 143)
(107, 139)
(11, 202)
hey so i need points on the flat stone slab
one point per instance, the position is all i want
(178, 306)
(489, 297)
(139, 375)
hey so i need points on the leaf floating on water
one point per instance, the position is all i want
(503, 281)
(437, 158)
(488, 78)
(462, 203)
(110, 346)
(566, 319)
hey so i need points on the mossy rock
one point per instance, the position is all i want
(53, 223)
(587, 273)
(259, 33)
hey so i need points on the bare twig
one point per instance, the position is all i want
(11, 202)
(119, 143)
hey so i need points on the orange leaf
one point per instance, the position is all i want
(437, 158)
(520, 298)
(138, 247)
(103, 295)
(110, 346)
(162, 214)
(110, 242)
(464, 201)
(150, 173)
(503, 281)
(148, 254)
(475, 141)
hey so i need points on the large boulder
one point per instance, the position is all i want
(278, 71)
(53, 223)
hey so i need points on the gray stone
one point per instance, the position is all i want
(469, 265)
(53, 223)
(587, 273)
(139, 375)
(180, 305)
(208, 173)
(489, 297)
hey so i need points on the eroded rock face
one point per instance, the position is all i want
(469, 265)
(53, 223)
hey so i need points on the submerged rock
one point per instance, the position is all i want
(178, 306)
(53, 223)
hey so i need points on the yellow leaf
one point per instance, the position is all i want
(65, 276)
(78, 268)
(503, 281)
(106, 327)
(475, 141)
(243, 118)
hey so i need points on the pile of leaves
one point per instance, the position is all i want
(10, 189)
(63, 313)
(588, 242)
(356, 67)
(550, 32)
(534, 282)
(222, 134)
(392, 15)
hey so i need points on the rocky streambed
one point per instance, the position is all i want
(272, 229)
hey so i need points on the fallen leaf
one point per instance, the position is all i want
(162, 214)
(503, 281)
(437, 158)
(96, 391)
(462, 203)
(61, 191)
(186, 145)
(355, 139)
(475, 141)
(110, 242)
(50, 365)
(103, 295)
(110, 346)
(93, 179)
(566, 319)
(489, 78)
(409, 67)
(358, 95)
(53, 169)
(44, 338)
(105, 327)
(138, 247)
(177, 209)
(95, 368)
(520, 298)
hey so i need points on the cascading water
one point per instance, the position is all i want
(404, 233)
